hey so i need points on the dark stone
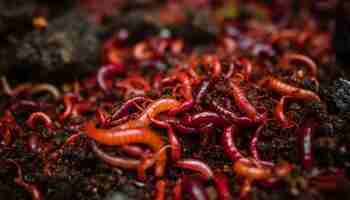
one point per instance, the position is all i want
(338, 96)
(15, 21)
(68, 48)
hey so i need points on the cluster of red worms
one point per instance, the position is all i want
(165, 85)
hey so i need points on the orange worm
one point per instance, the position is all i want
(243, 103)
(247, 169)
(160, 190)
(116, 136)
(150, 112)
(279, 113)
(68, 104)
(288, 90)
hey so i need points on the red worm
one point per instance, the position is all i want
(6, 136)
(247, 66)
(123, 110)
(254, 170)
(288, 90)
(182, 128)
(81, 107)
(254, 142)
(230, 71)
(160, 190)
(304, 139)
(175, 124)
(31, 188)
(68, 104)
(206, 132)
(289, 57)
(48, 88)
(249, 170)
(280, 116)
(101, 116)
(142, 51)
(109, 50)
(148, 161)
(126, 163)
(214, 62)
(137, 81)
(176, 147)
(228, 143)
(34, 117)
(185, 106)
(202, 91)
(243, 103)
(25, 104)
(222, 186)
(230, 115)
(196, 165)
(201, 118)
(177, 46)
(103, 72)
(150, 112)
(134, 150)
(177, 190)
(115, 136)
(185, 84)
(284, 34)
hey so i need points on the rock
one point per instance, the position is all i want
(15, 21)
(68, 48)
(338, 96)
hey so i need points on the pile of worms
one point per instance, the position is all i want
(154, 109)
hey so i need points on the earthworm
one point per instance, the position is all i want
(196, 165)
(115, 136)
(46, 87)
(243, 103)
(151, 111)
(288, 90)
(34, 117)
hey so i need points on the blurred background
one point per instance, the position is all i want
(45, 39)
